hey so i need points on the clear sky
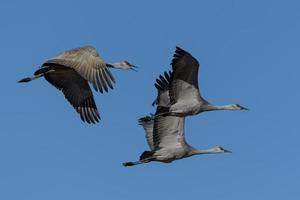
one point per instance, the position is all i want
(249, 54)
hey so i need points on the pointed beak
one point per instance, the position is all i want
(243, 108)
(134, 69)
(227, 151)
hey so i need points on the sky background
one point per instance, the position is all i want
(249, 54)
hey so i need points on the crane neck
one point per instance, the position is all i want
(119, 65)
(202, 151)
(209, 107)
(114, 65)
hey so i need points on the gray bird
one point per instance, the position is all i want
(72, 70)
(165, 134)
(185, 98)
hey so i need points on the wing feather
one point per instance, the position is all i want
(168, 132)
(147, 123)
(77, 91)
(163, 85)
(184, 84)
(87, 62)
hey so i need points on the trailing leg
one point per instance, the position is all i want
(37, 74)
(146, 157)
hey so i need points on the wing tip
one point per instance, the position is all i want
(163, 81)
(89, 115)
(179, 53)
(146, 119)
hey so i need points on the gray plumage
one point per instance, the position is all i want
(165, 134)
(71, 71)
(147, 123)
(185, 97)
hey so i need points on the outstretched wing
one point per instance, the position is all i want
(168, 132)
(184, 84)
(87, 63)
(77, 91)
(147, 123)
(163, 85)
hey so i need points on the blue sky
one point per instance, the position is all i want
(248, 52)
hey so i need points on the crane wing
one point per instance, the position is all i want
(147, 123)
(184, 84)
(77, 91)
(168, 132)
(162, 131)
(162, 85)
(87, 63)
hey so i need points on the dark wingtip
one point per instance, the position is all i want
(163, 81)
(179, 52)
(145, 119)
(179, 48)
(88, 117)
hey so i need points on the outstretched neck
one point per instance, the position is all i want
(204, 151)
(117, 65)
(121, 65)
(210, 107)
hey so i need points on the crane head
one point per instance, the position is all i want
(239, 107)
(124, 65)
(219, 149)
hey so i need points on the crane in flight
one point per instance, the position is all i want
(165, 134)
(185, 98)
(72, 70)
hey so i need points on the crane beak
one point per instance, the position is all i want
(227, 151)
(133, 67)
(243, 108)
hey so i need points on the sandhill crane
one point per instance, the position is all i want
(165, 134)
(185, 98)
(71, 71)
